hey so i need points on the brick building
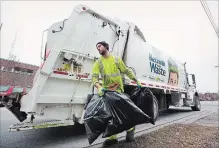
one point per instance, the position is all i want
(15, 73)
(209, 96)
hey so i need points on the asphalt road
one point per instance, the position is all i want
(74, 137)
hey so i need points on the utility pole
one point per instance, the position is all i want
(1, 26)
(218, 88)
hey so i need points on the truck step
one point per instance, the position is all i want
(41, 124)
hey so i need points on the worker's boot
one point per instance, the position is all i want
(130, 135)
(110, 141)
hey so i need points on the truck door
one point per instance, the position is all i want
(192, 87)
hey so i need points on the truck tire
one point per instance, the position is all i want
(197, 106)
(156, 108)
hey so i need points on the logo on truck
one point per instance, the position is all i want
(173, 73)
(156, 65)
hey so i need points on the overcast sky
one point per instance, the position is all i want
(179, 28)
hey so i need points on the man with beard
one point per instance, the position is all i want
(110, 68)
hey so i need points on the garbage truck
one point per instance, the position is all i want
(62, 84)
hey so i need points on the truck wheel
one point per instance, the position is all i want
(156, 108)
(197, 106)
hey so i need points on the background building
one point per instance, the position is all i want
(14, 73)
(209, 96)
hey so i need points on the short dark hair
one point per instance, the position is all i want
(104, 44)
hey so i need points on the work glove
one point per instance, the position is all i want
(101, 91)
(139, 85)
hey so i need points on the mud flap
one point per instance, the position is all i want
(12, 107)
(21, 116)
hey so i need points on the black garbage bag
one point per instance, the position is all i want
(144, 99)
(96, 118)
(125, 114)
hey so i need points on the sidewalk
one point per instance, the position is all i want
(203, 133)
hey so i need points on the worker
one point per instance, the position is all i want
(110, 68)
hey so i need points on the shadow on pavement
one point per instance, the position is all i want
(175, 111)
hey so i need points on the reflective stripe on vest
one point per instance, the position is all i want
(95, 76)
(101, 67)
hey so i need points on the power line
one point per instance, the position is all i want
(213, 21)
(208, 13)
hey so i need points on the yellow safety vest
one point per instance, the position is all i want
(110, 69)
